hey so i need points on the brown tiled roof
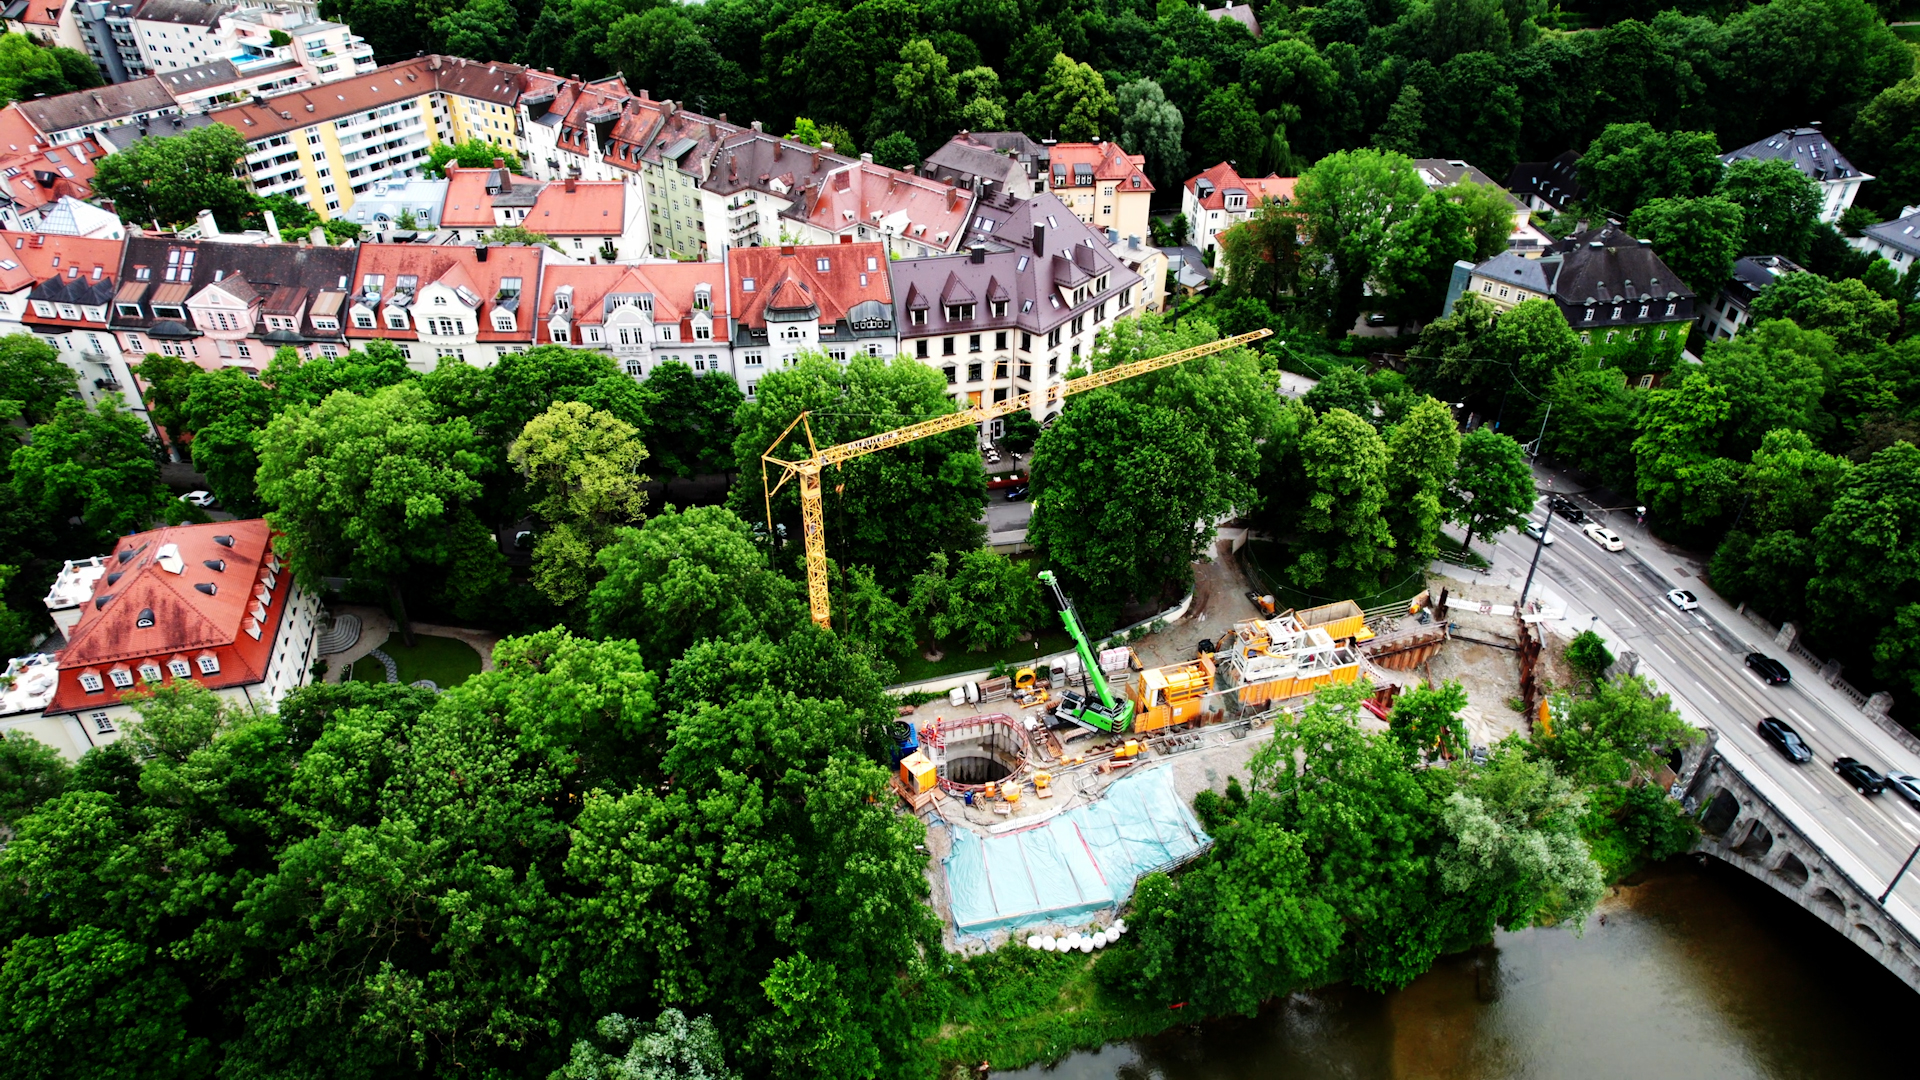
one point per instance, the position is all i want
(296, 109)
(790, 278)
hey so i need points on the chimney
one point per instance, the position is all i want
(273, 226)
(506, 180)
(317, 236)
(499, 163)
(757, 127)
(1039, 239)
(866, 159)
(816, 162)
(723, 118)
(480, 252)
(827, 146)
(209, 229)
(779, 149)
(786, 249)
(977, 254)
(1133, 242)
(573, 182)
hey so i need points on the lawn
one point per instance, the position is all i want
(1908, 31)
(1450, 546)
(918, 669)
(446, 661)
(1269, 562)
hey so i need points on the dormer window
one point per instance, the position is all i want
(999, 307)
(503, 320)
(746, 284)
(145, 619)
(669, 332)
(122, 678)
(396, 319)
(958, 312)
(702, 298)
(703, 331)
(822, 264)
(209, 664)
(127, 311)
(918, 316)
(179, 667)
(150, 672)
(90, 682)
(362, 319)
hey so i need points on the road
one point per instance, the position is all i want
(1700, 661)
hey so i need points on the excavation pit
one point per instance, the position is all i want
(980, 750)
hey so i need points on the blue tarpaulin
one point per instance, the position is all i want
(1069, 867)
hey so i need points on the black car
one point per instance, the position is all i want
(1786, 740)
(1862, 778)
(1567, 509)
(1773, 671)
(1015, 494)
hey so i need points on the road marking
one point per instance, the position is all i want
(1803, 721)
(1698, 619)
(1861, 831)
(1709, 693)
(1708, 638)
(1630, 570)
(1624, 616)
(1664, 653)
(1802, 777)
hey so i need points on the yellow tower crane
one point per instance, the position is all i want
(808, 469)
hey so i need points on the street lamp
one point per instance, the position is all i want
(1539, 542)
(1882, 901)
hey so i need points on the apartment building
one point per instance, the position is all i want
(1731, 309)
(1441, 173)
(758, 187)
(1897, 241)
(591, 220)
(60, 289)
(222, 304)
(435, 301)
(566, 126)
(1020, 307)
(1220, 198)
(831, 298)
(643, 316)
(50, 22)
(1103, 185)
(210, 604)
(84, 114)
(36, 176)
(912, 215)
(983, 166)
(326, 145)
(674, 155)
(1815, 157)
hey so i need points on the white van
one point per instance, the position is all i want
(1605, 537)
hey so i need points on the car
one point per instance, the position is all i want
(1859, 776)
(1605, 537)
(1769, 669)
(1539, 532)
(1376, 319)
(205, 500)
(1683, 599)
(1568, 509)
(1786, 740)
(1015, 494)
(1905, 785)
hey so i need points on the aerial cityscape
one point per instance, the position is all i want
(739, 539)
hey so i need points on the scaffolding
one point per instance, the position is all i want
(1269, 660)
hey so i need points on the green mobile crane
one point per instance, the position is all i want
(1106, 714)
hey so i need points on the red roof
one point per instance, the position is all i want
(592, 208)
(1109, 161)
(790, 277)
(41, 13)
(200, 598)
(404, 81)
(1222, 177)
(868, 194)
(672, 286)
(45, 172)
(454, 265)
(468, 204)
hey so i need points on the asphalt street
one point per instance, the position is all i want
(1700, 661)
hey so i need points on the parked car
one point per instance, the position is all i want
(1786, 740)
(1605, 537)
(205, 500)
(1859, 776)
(1773, 671)
(1539, 532)
(1376, 319)
(1015, 494)
(1683, 599)
(1906, 785)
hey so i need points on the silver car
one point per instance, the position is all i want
(1906, 785)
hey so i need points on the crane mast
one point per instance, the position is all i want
(807, 470)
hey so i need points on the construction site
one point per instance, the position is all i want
(1049, 790)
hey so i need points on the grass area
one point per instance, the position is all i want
(1016, 1007)
(444, 660)
(1270, 560)
(1907, 32)
(1450, 546)
(918, 669)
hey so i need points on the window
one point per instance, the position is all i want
(396, 319)
(1486, 287)
(150, 672)
(445, 353)
(121, 677)
(918, 316)
(751, 387)
(920, 348)
(90, 682)
(702, 332)
(1611, 334)
(1026, 370)
(1000, 339)
(1663, 333)
(1026, 341)
(166, 311)
(325, 324)
(363, 319)
(1616, 313)
(672, 333)
(946, 346)
(957, 312)
(822, 264)
(635, 368)
(973, 342)
(101, 725)
(1106, 210)
(1589, 317)
(746, 284)
(1671, 307)
(1643, 311)
(1503, 292)
(973, 372)
(1586, 339)
(754, 360)
(560, 335)
(209, 664)
(179, 668)
(444, 327)
(127, 311)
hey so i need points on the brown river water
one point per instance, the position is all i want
(1697, 972)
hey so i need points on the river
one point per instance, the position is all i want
(1697, 971)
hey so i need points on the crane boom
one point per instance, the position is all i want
(808, 469)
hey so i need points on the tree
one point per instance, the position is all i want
(98, 467)
(990, 601)
(925, 96)
(1697, 238)
(896, 150)
(1865, 550)
(1683, 481)
(31, 772)
(30, 69)
(1885, 141)
(170, 180)
(1767, 556)
(1071, 102)
(1590, 411)
(32, 378)
(1516, 857)
(468, 154)
(1152, 125)
(1781, 206)
(887, 510)
(1489, 212)
(1857, 318)
(689, 420)
(1260, 256)
(1422, 452)
(1492, 487)
(169, 381)
(1774, 375)
(1623, 727)
(297, 381)
(1406, 125)
(1588, 656)
(478, 28)
(686, 576)
(1341, 388)
(377, 488)
(1344, 466)
(1426, 720)
(520, 234)
(583, 473)
(1230, 129)
(868, 617)
(982, 106)
(1351, 238)
(670, 1048)
(1628, 165)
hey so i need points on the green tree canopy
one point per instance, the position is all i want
(1629, 165)
(29, 69)
(1698, 239)
(1152, 125)
(98, 467)
(1780, 206)
(1491, 489)
(32, 378)
(468, 154)
(1362, 212)
(1423, 450)
(1071, 103)
(1857, 318)
(583, 476)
